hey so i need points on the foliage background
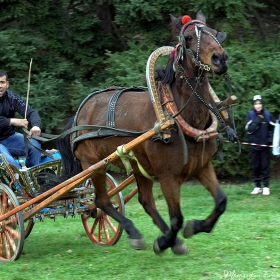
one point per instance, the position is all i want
(79, 46)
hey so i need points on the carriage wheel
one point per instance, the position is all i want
(101, 228)
(11, 229)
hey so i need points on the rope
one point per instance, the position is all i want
(253, 144)
(125, 156)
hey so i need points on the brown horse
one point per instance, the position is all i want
(198, 53)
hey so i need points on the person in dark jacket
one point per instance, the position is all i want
(12, 142)
(259, 130)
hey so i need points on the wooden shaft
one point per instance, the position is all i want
(56, 192)
(227, 102)
(216, 99)
(114, 191)
(121, 186)
(130, 195)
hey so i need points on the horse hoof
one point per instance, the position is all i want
(157, 250)
(188, 230)
(179, 248)
(137, 244)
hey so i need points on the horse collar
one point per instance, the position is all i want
(197, 134)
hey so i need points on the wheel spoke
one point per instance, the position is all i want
(111, 225)
(1, 245)
(100, 226)
(10, 207)
(7, 247)
(94, 226)
(12, 229)
(3, 202)
(104, 230)
(12, 220)
(11, 241)
(14, 233)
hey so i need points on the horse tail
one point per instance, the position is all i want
(71, 166)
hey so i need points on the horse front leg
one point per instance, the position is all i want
(208, 179)
(169, 239)
(103, 202)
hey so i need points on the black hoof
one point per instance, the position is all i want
(179, 248)
(137, 244)
(189, 229)
(157, 250)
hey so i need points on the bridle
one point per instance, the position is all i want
(198, 26)
(178, 54)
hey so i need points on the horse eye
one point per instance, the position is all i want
(189, 38)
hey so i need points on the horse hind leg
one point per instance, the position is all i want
(146, 199)
(208, 179)
(103, 202)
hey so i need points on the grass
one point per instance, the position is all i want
(243, 245)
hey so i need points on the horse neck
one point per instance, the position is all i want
(195, 113)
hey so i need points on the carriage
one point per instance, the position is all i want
(168, 132)
(23, 205)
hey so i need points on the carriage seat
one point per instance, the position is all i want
(21, 159)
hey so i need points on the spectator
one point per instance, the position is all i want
(12, 142)
(259, 130)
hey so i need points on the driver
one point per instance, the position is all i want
(11, 142)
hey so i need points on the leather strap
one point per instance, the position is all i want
(198, 134)
(110, 119)
(100, 131)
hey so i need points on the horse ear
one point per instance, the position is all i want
(200, 16)
(221, 36)
(176, 22)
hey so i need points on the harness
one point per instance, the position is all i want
(97, 131)
(162, 97)
(198, 26)
(109, 129)
(169, 106)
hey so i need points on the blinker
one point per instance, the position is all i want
(221, 36)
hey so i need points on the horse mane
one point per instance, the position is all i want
(166, 75)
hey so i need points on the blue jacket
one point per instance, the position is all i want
(11, 103)
(259, 130)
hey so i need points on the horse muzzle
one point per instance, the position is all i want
(221, 62)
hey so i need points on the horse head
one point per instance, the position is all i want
(199, 48)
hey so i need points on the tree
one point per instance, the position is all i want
(79, 46)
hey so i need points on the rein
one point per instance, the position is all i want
(200, 98)
(98, 131)
(231, 133)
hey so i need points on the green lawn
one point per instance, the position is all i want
(243, 245)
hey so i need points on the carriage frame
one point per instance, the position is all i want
(21, 205)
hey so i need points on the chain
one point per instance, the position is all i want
(201, 67)
(180, 69)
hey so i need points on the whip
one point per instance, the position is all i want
(28, 88)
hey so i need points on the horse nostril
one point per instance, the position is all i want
(225, 57)
(216, 57)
